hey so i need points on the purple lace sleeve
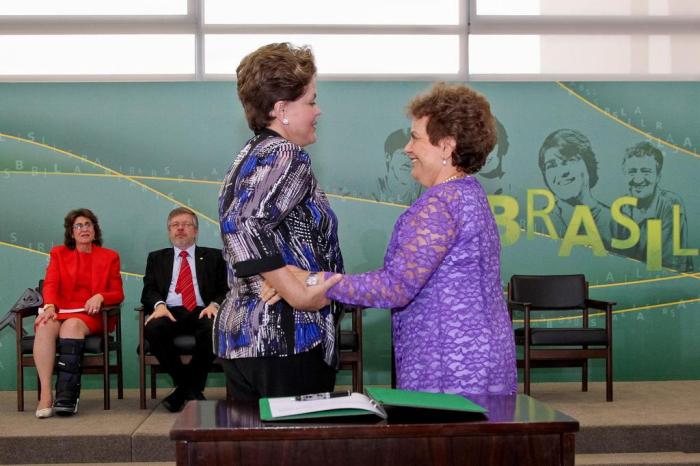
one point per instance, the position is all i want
(420, 241)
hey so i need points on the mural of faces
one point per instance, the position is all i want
(642, 176)
(566, 175)
(397, 184)
(568, 165)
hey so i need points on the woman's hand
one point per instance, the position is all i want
(289, 283)
(48, 315)
(94, 304)
(315, 297)
(300, 274)
(268, 294)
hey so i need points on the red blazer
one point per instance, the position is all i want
(61, 271)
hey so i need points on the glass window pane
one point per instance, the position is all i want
(671, 53)
(93, 7)
(97, 54)
(588, 7)
(584, 54)
(346, 53)
(405, 12)
(494, 54)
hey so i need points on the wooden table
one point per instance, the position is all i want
(519, 431)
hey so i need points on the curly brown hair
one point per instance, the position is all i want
(274, 72)
(457, 111)
(68, 221)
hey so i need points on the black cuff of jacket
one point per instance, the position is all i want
(256, 266)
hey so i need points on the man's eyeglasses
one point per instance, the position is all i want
(80, 226)
(177, 225)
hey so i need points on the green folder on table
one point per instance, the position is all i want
(375, 402)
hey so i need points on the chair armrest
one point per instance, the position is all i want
(112, 310)
(143, 310)
(27, 311)
(517, 305)
(602, 305)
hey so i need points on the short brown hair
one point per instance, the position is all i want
(183, 210)
(457, 111)
(274, 72)
(68, 221)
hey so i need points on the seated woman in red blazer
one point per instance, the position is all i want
(81, 275)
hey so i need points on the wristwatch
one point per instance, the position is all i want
(312, 279)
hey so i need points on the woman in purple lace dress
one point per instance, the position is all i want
(441, 274)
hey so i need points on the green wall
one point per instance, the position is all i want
(132, 151)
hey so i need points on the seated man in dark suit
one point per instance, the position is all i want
(184, 286)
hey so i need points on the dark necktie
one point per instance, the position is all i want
(184, 286)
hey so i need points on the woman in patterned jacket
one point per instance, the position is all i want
(441, 273)
(273, 213)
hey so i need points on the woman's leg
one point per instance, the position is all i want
(44, 357)
(70, 348)
(74, 328)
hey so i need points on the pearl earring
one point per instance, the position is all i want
(285, 121)
(444, 162)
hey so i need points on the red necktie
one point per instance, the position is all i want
(184, 285)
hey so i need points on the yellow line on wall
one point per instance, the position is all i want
(366, 201)
(34, 251)
(679, 275)
(109, 175)
(626, 125)
(107, 169)
(135, 178)
(554, 319)
(22, 248)
(618, 311)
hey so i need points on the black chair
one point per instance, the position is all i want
(351, 349)
(184, 344)
(560, 347)
(95, 359)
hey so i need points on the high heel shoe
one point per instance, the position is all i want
(43, 413)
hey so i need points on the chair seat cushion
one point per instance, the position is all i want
(184, 344)
(562, 336)
(93, 344)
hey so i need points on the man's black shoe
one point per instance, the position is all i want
(192, 394)
(175, 401)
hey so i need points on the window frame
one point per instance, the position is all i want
(468, 24)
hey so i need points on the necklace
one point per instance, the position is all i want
(453, 177)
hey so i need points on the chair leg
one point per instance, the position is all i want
(20, 384)
(526, 375)
(608, 378)
(360, 382)
(153, 383)
(105, 376)
(142, 383)
(584, 376)
(355, 378)
(120, 374)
